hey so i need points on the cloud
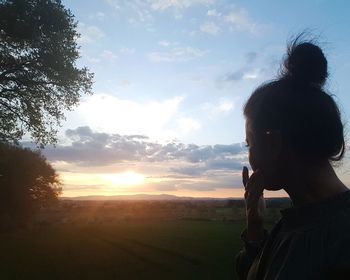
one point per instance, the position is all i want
(108, 55)
(193, 171)
(125, 83)
(254, 67)
(114, 115)
(89, 148)
(177, 54)
(227, 181)
(220, 180)
(94, 148)
(233, 19)
(127, 51)
(105, 55)
(186, 125)
(165, 186)
(161, 5)
(164, 43)
(216, 162)
(92, 59)
(251, 57)
(72, 187)
(89, 33)
(210, 28)
(116, 4)
(235, 75)
(244, 73)
(225, 106)
(239, 20)
(213, 13)
(99, 16)
(89, 155)
(201, 186)
(136, 12)
(222, 107)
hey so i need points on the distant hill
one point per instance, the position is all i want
(157, 197)
(139, 197)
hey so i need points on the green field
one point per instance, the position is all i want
(126, 250)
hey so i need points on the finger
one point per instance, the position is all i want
(254, 201)
(255, 183)
(246, 194)
(245, 176)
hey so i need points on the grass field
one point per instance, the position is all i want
(125, 250)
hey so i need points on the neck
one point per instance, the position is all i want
(311, 183)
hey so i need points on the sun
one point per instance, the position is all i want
(128, 178)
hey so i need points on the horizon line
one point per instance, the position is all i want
(159, 195)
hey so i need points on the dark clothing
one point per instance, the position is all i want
(308, 242)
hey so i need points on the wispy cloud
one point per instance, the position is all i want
(239, 20)
(108, 55)
(210, 27)
(160, 5)
(213, 13)
(164, 43)
(98, 15)
(177, 54)
(111, 114)
(127, 51)
(137, 12)
(105, 55)
(254, 67)
(232, 19)
(91, 148)
(223, 106)
(89, 33)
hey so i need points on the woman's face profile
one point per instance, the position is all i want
(260, 159)
(254, 152)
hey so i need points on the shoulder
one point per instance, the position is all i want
(339, 222)
(339, 225)
(338, 240)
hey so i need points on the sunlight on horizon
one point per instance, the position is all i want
(128, 178)
(170, 82)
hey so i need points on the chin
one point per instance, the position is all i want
(273, 185)
(273, 188)
(272, 182)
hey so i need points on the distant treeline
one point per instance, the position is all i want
(283, 202)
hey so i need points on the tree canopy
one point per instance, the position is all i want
(27, 183)
(39, 78)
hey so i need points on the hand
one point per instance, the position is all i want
(255, 203)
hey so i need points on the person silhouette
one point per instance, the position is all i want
(295, 135)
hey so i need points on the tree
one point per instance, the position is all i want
(27, 183)
(39, 78)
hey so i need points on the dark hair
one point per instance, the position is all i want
(297, 105)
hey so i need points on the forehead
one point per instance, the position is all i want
(249, 132)
(248, 127)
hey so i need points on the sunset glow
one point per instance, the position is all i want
(170, 81)
(128, 178)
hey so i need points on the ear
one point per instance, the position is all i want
(273, 140)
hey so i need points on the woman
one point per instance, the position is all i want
(294, 133)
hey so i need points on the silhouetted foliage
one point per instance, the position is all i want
(39, 78)
(27, 183)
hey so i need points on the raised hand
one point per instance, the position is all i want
(255, 203)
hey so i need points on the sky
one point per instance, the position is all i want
(171, 78)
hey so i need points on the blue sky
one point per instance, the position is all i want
(178, 72)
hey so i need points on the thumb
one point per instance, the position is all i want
(255, 186)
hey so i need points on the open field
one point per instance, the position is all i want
(127, 248)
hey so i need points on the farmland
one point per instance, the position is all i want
(128, 240)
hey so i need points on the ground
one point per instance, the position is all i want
(128, 248)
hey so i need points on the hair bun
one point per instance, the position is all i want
(305, 64)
